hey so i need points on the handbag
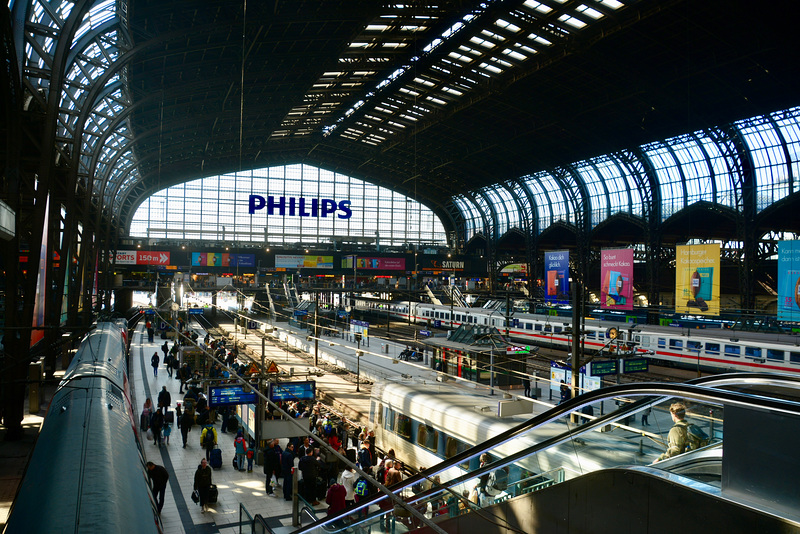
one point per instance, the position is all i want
(196, 496)
(149, 434)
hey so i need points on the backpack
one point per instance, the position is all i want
(695, 437)
(362, 487)
(208, 439)
(499, 480)
(327, 428)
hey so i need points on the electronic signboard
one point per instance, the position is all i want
(292, 391)
(231, 394)
(603, 368)
(635, 365)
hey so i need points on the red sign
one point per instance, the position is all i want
(152, 258)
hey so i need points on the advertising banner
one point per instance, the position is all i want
(383, 264)
(153, 257)
(222, 259)
(789, 281)
(616, 275)
(556, 275)
(298, 261)
(697, 279)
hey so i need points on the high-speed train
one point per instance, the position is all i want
(87, 472)
(428, 422)
(715, 350)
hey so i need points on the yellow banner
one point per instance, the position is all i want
(697, 279)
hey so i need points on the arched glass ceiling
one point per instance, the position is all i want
(217, 209)
(687, 169)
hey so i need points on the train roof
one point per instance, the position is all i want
(102, 354)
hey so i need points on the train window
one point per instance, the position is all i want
(380, 415)
(548, 328)
(591, 334)
(537, 327)
(528, 326)
(733, 350)
(676, 344)
(453, 447)
(662, 343)
(557, 329)
(403, 426)
(794, 357)
(694, 346)
(428, 437)
(752, 352)
(775, 355)
(712, 348)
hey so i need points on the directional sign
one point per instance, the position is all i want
(635, 365)
(195, 311)
(231, 395)
(603, 368)
(152, 258)
(425, 333)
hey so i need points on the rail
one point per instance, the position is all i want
(559, 445)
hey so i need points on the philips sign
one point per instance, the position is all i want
(303, 207)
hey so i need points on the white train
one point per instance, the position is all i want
(427, 423)
(709, 349)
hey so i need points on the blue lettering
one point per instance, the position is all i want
(257, 202)
(302, 208)
(271, 205)
(315, 207)
(344, 206)
(328, 206)
(292, 202)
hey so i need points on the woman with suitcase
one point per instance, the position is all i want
(202, 483)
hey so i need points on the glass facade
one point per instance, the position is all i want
(218, 208)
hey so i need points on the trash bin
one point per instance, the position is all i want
(385, 348)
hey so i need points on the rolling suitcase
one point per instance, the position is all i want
(213, 493)
(216, 459)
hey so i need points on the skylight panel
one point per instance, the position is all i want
(408, 91)
(613, 4)
(394, 45)
(572, 21)
(539, 39)
(397, 124)
(469, 50)
(496, 36)
(435, 100)
(452, 91)
(590, 12)
(377, 27)
(537, 6)
(483, 42)
(508, 26)
(358, 44)
(424, 82)
(460, 57)
(514, 55)
(491, 68)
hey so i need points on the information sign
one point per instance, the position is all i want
(285, 391)
(231, 395)
(195, 311)
(425, 333)
(603, 368)
(635, 365)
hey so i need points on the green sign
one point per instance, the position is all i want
(603, 368)
(635, 365)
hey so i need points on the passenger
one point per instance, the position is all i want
(202, 483)
(677, 439)
(251, 453)
(287, 469)
(167, 432)
(348, 480)
(154, 362)
(336, 500)
(365, 457)
(526, 385)
(159, 476)
(156, 423)
(164, 399)
(566, 394)
(240, 446)
(645, 415)
(208, 439)
(272, 464)
(310, 468)
(187, 421)
(147, 411)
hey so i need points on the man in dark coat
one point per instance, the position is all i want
(164, 399)
(272, 463)
(159, 476)
(310, 468)
(187, 421)
(287, 465)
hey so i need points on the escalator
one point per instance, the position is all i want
(569, 471)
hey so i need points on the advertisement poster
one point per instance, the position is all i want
(556, 276)
(297, 261)
(789, 281)
(697, 279)
(616, 279)
(385, 264)
(222, 259)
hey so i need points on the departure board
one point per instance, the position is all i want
(231, 395)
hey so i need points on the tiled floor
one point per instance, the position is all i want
(180, 514)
